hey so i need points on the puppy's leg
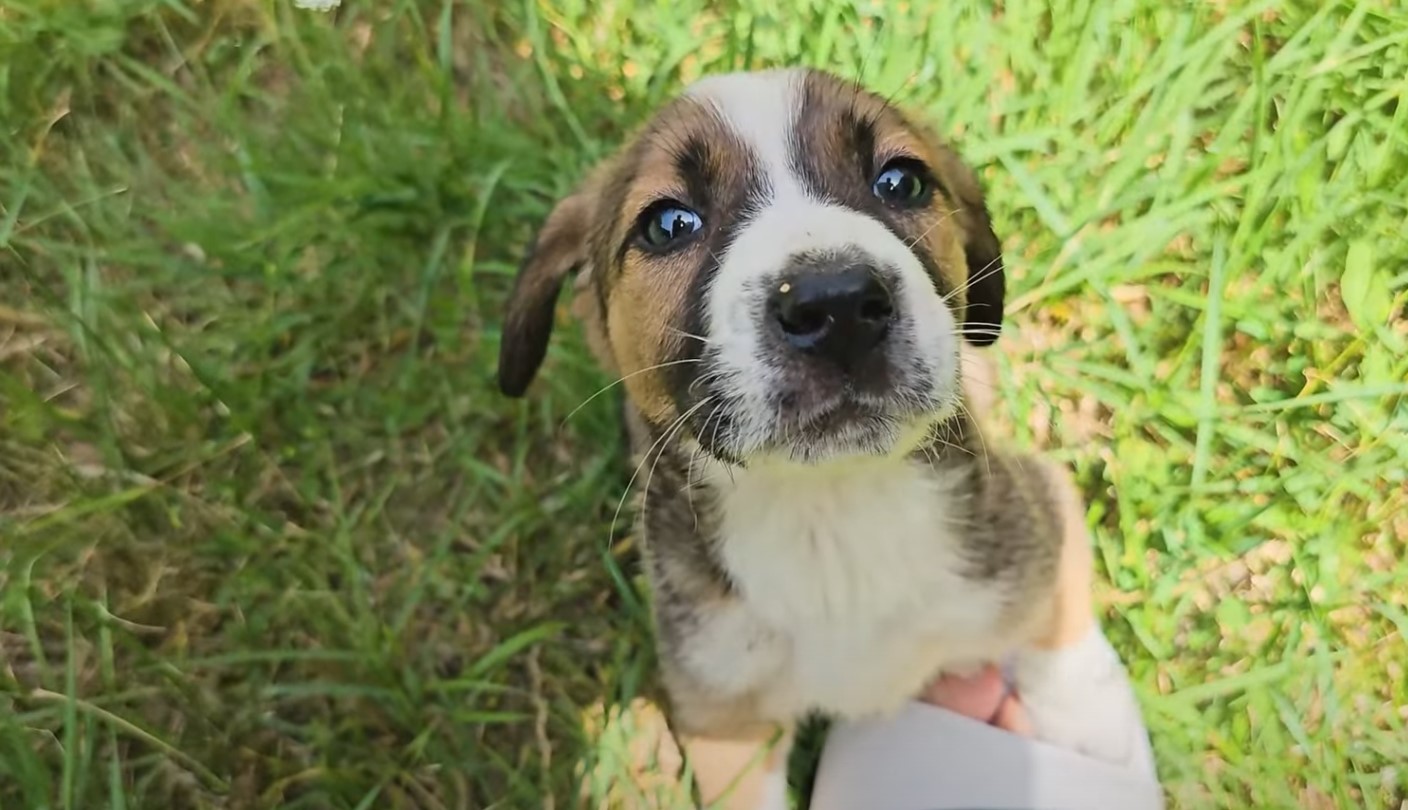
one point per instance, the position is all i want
(1071, 683)
(1073, 611)
(744, 773)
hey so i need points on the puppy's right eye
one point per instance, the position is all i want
(903, 183)
(666, 224)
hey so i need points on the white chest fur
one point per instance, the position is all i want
(851, 588)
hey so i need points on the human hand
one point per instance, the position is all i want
(983, 696)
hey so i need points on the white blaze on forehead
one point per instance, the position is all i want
(760, 109)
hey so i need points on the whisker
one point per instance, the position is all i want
(657, 443)
(608, 387)
(689, 481)
(706, 379)
(941, 220)
(719, 412)
(982, 441)
(967, 451)
(992, 268)
(691, 336)
(717, 417)
(678, 426)
(689, 472)
(714, 256)
(984, 383)
(937, 435)
(714, 440)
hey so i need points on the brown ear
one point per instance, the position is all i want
(987, 279)
(559, 249)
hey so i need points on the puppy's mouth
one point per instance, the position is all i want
(840, 416)
(846, 424)
(851, 425)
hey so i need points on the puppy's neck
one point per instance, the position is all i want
(849, 540)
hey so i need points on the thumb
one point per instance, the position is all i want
(983, 697)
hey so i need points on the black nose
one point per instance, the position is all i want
(838, 314)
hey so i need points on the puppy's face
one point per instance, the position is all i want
(778, 264)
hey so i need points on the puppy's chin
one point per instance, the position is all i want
(843, 434)
(862, 439)
(876, 438)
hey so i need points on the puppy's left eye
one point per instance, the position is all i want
(665, 223)
(903, 182)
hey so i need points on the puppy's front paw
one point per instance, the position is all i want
(1079, 697)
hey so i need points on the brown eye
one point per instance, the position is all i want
(666, 223)
(903, 183)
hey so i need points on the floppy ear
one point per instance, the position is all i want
(559, 248)
(987, 281)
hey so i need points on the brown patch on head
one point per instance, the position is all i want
(641, 312)
(641, 302)
(685, 157)
(846, 136)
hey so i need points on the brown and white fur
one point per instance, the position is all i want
(825, 528)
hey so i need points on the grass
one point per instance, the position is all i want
(269, 538)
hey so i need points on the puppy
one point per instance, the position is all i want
(782, 268)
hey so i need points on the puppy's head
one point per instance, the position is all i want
(777, 264)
